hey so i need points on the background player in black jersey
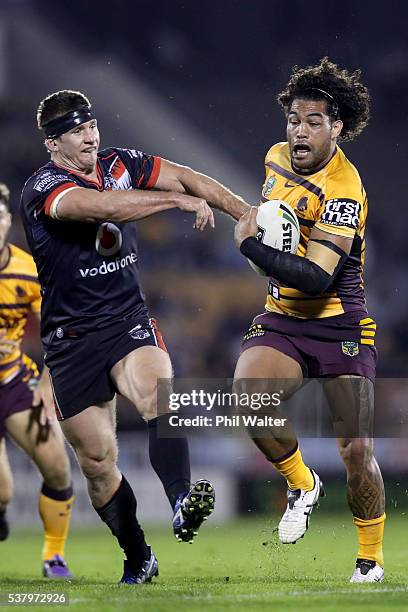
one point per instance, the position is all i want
(316, 324)
(97, 333)
(25, 398)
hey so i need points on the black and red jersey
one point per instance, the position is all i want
(89, 272)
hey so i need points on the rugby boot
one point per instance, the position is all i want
(149, 570)
(367, 571)
(56, 568)
(191, 509)
(295, 522)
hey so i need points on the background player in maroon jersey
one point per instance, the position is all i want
(316, 324)
(95, 327)
(25, 398)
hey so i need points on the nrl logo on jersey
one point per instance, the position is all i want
(269, 185)
(350, 348)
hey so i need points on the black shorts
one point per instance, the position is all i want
(80, 365)
(342, 344)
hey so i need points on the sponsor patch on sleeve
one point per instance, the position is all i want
(48, 180)
(342, 212)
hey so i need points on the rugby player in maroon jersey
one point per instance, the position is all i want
(316, 322)
(25, 400)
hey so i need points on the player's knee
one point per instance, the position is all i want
(147, 406)
(97, 466)
(356, 452)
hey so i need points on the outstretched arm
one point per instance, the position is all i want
(173, 177)
(80, 204)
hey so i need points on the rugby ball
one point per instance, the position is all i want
(278, 227)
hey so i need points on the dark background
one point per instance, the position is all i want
(197, 83)
(217, 66)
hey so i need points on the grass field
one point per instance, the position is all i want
(236, 566)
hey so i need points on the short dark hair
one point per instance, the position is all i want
(348, 99)
(5, 195)
(59, 104)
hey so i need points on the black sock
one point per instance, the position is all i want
(120, 516)
(170, 460)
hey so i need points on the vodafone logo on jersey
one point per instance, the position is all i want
(108, 239)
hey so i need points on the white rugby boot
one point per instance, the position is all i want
(367, 571)
(295, 522)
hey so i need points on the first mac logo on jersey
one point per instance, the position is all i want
(108, 239)
(341, 212)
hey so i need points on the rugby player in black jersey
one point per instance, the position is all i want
(96, 330)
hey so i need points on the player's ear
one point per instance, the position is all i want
(336, 128)
(51, 144)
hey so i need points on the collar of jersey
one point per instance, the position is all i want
(98, 184)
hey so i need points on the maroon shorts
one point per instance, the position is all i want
(343, 344)
(16, 396)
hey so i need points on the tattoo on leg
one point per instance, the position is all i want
(365, 492)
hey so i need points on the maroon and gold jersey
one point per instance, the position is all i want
(333, 200)
(19, 294)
